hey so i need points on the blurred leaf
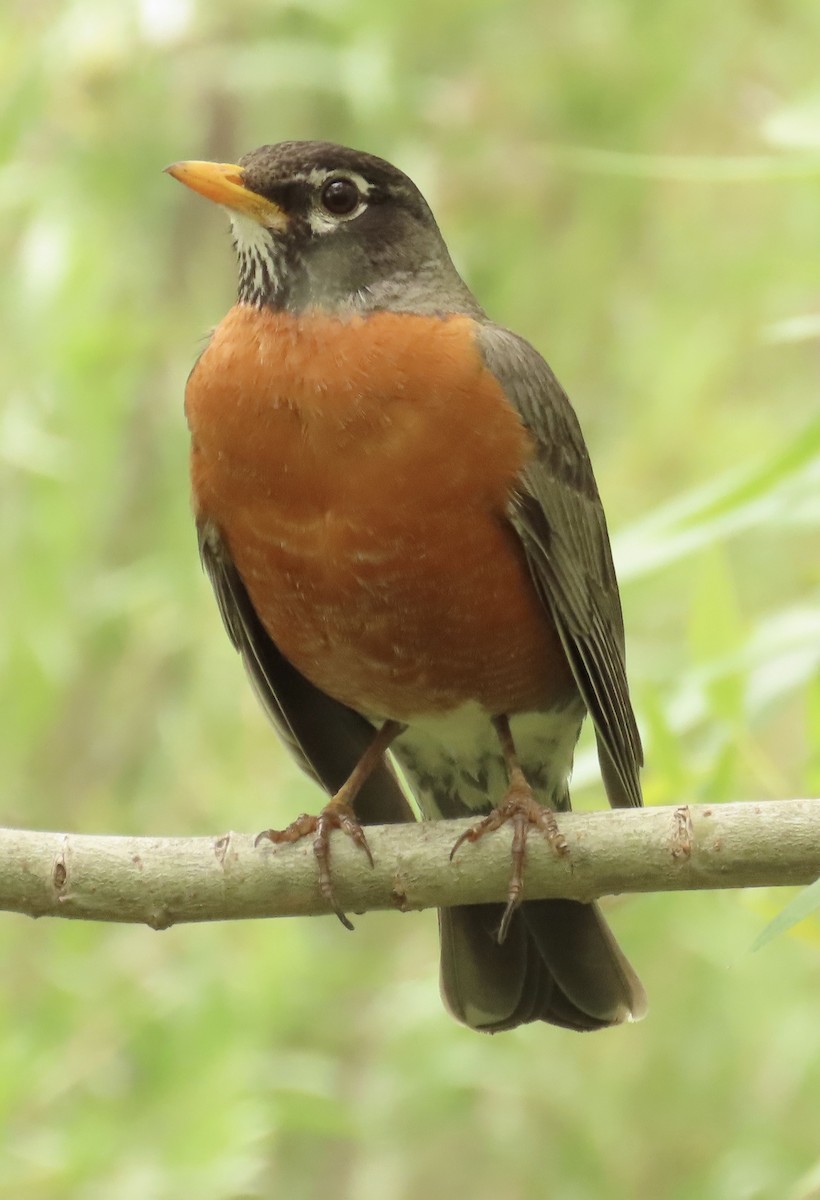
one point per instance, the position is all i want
(813, 734)
(716, 633)
(804, 327)
(783, 489)
(692, 167)
(667, 750)
(802, 906)
(795, 125)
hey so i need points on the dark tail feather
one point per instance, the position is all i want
(559, 963)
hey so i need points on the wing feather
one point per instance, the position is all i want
(557, 513)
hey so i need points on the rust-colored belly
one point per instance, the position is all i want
(358, 472)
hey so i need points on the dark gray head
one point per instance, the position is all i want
(322, 226)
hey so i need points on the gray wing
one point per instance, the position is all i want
(325, 737)
(557, 513)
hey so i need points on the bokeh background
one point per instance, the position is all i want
(636, 188)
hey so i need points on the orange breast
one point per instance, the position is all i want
(359, 472)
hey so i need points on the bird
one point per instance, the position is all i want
(396, 509)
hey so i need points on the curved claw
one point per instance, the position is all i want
(333, 816)
(521, 808)
(492, 821)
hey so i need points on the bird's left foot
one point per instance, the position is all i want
(523, 810)
(335, 815)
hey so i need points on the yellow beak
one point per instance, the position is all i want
(224, 184)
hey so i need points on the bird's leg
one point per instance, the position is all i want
(338, 813)
(521, 807)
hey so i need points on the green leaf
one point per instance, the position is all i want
(716, 633)
(801, 907)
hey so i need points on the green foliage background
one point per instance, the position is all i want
(636, 188)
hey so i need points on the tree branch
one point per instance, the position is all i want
(164, 881)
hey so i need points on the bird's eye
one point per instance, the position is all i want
(340, 197)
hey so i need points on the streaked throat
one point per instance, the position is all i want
(262, 262)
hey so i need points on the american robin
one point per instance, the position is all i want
(397, 512)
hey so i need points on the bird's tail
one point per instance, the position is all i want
(559, 963)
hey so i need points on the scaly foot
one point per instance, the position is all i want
(524, 811)
(338, 814)
(335, 815)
